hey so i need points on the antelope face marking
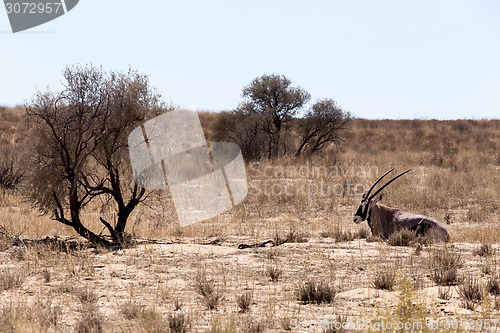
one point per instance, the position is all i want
(362, 212)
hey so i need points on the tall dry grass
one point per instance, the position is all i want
(455, 178)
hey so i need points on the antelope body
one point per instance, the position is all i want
(384, 220)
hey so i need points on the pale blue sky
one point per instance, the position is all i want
(377, 59)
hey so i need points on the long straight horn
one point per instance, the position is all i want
(390, 181)
(378, 180)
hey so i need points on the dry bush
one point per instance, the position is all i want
(242, 129)
(79, 152)
(385, 278)
(446, 258)
(471, 292)
(91, 319)
(313, 292)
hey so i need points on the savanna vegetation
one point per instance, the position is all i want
(164, 278)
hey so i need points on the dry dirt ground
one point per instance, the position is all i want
(54, 287)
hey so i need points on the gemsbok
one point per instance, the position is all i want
(384, 220)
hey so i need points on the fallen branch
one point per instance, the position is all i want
(263, 244)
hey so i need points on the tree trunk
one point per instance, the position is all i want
(92, 237)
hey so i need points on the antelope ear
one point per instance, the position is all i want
(378, 199)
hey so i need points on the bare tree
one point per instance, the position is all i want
(79, 146)
(323, 124)
(273, 97)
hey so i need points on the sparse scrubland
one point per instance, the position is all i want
(195, 279)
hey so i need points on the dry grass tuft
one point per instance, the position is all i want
(47, 314)
(244, 302)
(14, 318)
(91, 320)
(341, 235)
(286, 323)
(444, 276)
(11, 278)
(385, 278)
(178, 304)
(486, 268)
(445, 293)
(131, 310)
(222, 325)
(363, 233)
(313, 292)
(295, 236)
(252, 325)
(206, 288)
(274, 272)
(87, 295)
(444, 266)
(147, 318)
(178, 323)
(485, 250)
(338, 325)
(493, 286)
(402, 237)
(471, 292)
(42, 316)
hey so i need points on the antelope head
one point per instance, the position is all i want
(363, 212)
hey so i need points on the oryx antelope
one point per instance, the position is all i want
(384, 220)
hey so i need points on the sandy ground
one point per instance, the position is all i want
(162, 274)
